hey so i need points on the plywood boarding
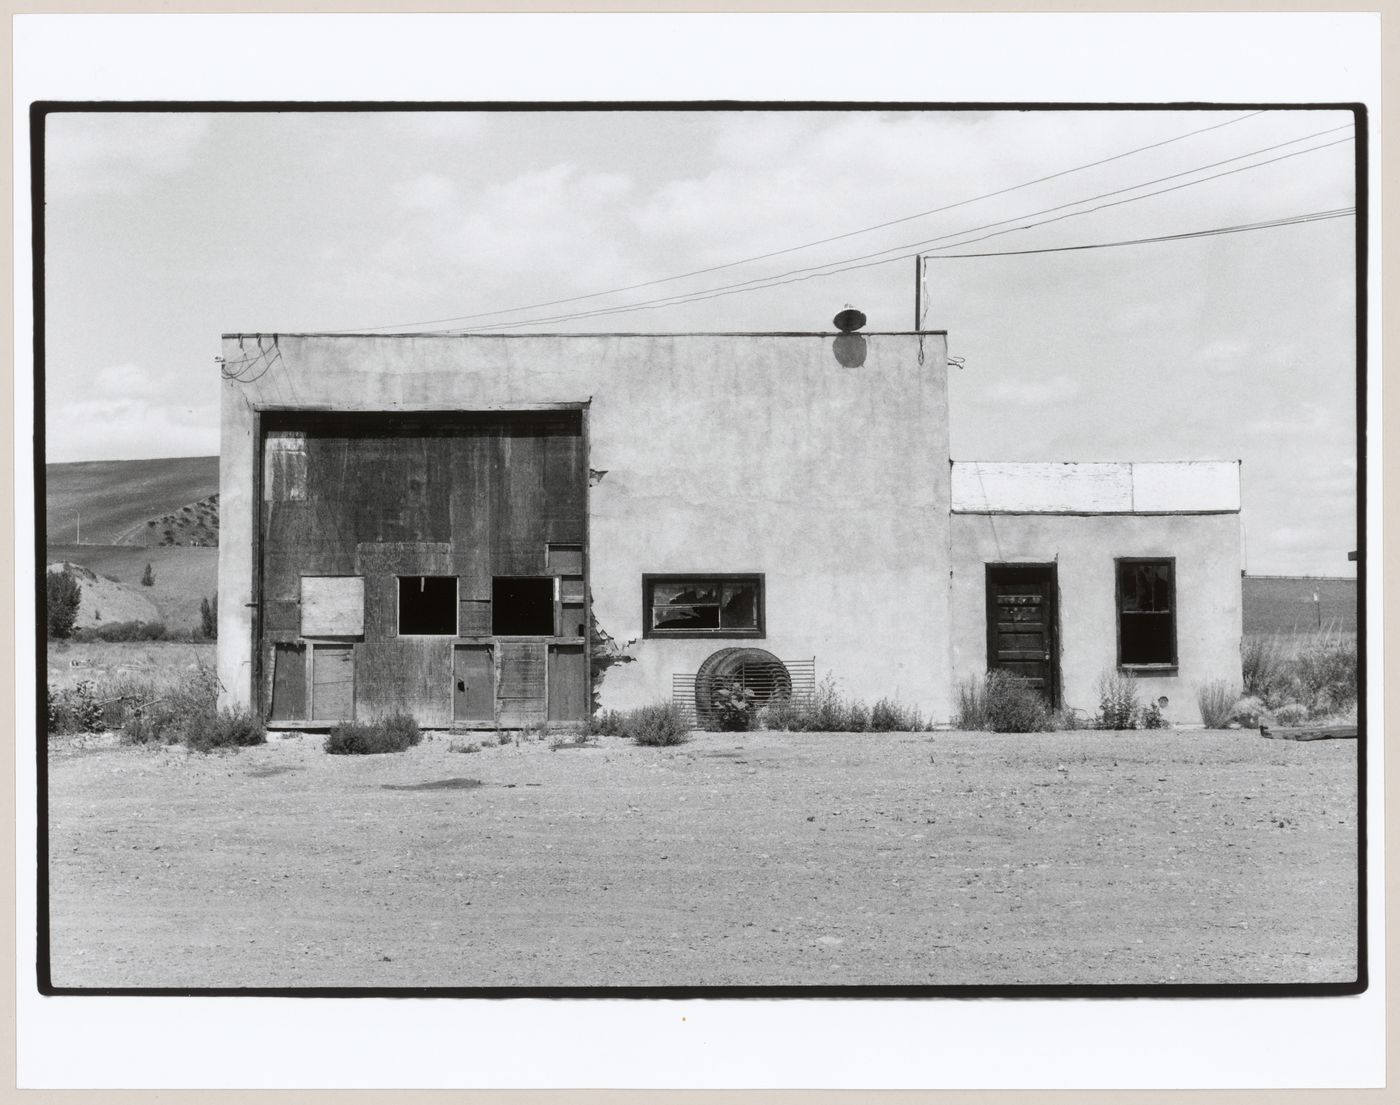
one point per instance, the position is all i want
(410, 674)
(517, 509)
(474, 683)
(568, 683)
(332, 606)
(1095, 488)
(288, 682)
(520, 683)
(332, 682)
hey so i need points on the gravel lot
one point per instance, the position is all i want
(736, 859)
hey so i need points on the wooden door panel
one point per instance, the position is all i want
(1021, 625)
(568, 684)
(474, 682)
(333, 683)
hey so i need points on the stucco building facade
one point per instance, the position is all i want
(500, 530)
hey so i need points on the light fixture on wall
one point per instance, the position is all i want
(849, 347)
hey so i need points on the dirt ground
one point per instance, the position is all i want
(736, 859)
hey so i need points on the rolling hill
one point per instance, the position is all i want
(114, 500)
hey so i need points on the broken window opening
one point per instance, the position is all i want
(427, 606)
(522, 606)
(704, 606)
(1146, 613)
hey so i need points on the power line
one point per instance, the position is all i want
(911, 249)
(1292, 220)
(807, 245)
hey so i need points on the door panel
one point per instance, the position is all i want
(1021, 625)
(520, 686)
(568, 684)
(474, 683)
(332, 683)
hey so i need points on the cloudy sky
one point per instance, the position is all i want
(166, 230)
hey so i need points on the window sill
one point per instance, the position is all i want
(1150, 669)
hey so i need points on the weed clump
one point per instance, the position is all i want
(656, 726)
(1000, 702)
(1217, 700)
(605, 723)
(1315, 673)
(1118, 700)
(392, 734)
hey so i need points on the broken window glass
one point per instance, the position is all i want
(714, 606)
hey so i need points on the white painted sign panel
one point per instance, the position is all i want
(1095, 487)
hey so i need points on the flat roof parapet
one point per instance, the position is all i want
(1096, 487)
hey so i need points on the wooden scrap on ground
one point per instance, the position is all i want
(1310, 733)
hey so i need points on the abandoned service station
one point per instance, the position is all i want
(502, 530)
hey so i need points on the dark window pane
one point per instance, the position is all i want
(1146, 638)
(740, 609)
(428, 605)
(522, 607)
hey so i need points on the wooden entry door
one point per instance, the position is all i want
(1022, 625)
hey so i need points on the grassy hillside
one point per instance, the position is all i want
(183, 576)
(1284, 604)
(117, 498)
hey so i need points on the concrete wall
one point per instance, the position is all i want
(720, 453)
(1208, 618)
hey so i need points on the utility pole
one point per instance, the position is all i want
(79, 513)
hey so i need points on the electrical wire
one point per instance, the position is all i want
(806, 245)
(1292, 220)
(912, 249)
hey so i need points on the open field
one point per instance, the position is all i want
(116, 497)
(1284, 604)
(748, 859)
(162, 663)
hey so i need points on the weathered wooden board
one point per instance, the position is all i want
(1310, 733)
(568, 695)
(332, 606)
(475, 617)
(409, 674)
(564, 560)
(474, 683)
(521, 689)
(288, 682)
(332, 682)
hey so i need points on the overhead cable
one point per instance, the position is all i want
(806, 245)
(910, 249)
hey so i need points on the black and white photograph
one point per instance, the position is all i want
(737, 548)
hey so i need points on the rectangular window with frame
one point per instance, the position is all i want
(1146, 613)
(729, 605)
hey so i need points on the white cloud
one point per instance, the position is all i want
(428, 192)
(1032, 393)
(100, 152)
(124, 381)
(128, 429)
